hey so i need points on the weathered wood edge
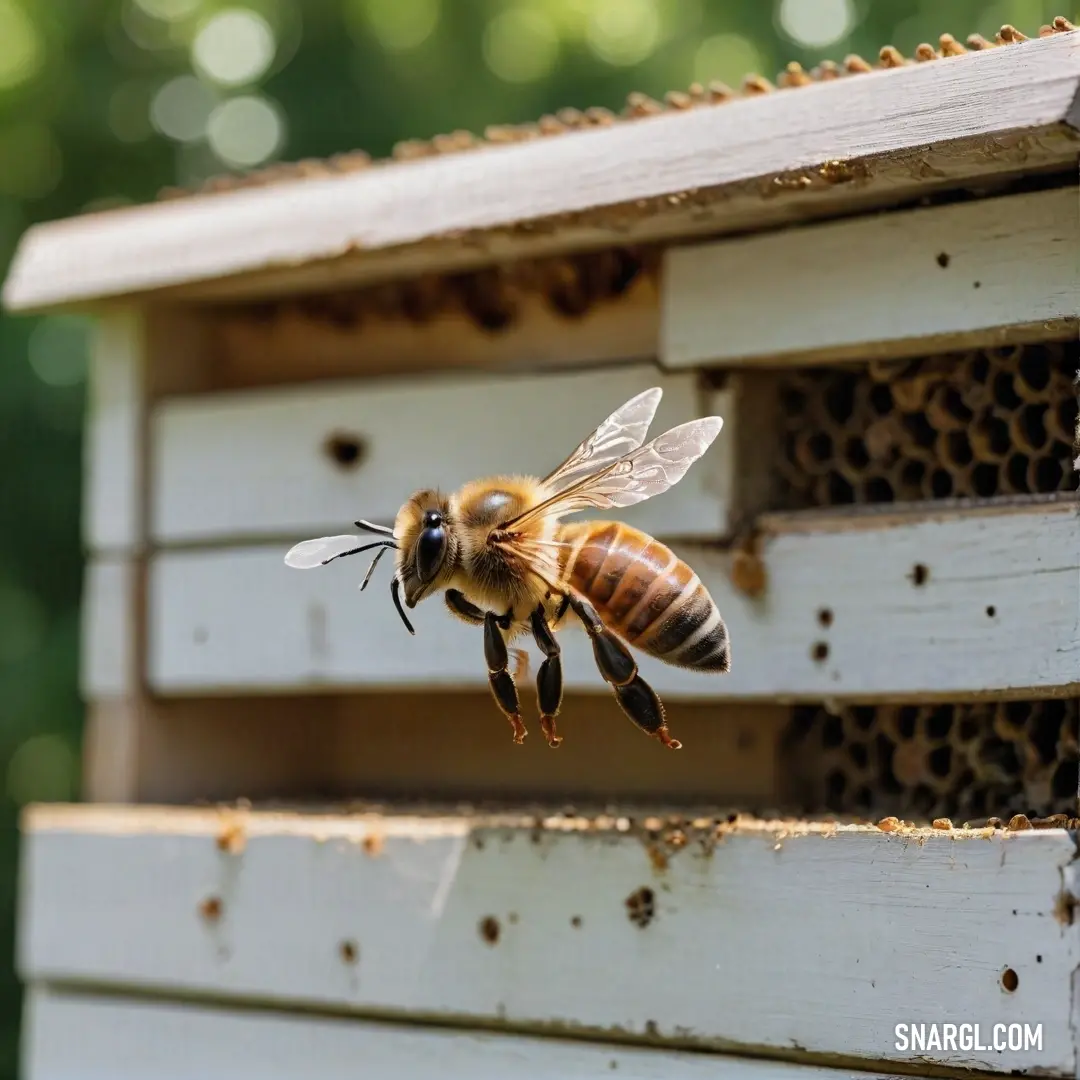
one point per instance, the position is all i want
(374, 846)
(833, 146)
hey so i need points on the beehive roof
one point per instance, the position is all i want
(706, 161)
(637, 107)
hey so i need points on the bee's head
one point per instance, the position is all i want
(427, 546)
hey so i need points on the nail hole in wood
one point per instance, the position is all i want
(920, 574)
(820, 651)
(943, 259)
(346, 451)
(489, 929)
(350, 952)
(991, 611)
(825, 617)
(1010, 980)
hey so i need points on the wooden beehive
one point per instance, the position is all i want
(873, 277)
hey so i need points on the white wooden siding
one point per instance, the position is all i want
(107, 659)
(998, 612)
(876, 283)
(253, 464)
(892, 134)
(112, 486)
(129, 1039)
(778, 937)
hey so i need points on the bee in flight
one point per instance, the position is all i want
(505, 561)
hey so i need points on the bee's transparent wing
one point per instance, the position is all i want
(641, 474)
(620, 434)
(321, 551)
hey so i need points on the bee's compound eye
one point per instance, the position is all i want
(430, 549)
(432, 519)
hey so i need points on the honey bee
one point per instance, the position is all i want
(504, 560)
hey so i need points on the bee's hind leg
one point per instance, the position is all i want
(502, 682)
(549, 680)
(635, 696)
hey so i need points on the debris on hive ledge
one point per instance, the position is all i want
(638, 106)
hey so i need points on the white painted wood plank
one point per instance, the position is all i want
(1008, 262)
(253, 464)
(236, 619)
(780, 935)
(107, 656)
(73, 1036)
(113, 440)
(921, 126)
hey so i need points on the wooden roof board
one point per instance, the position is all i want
(763, 160)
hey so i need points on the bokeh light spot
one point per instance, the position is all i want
(727, 57)
(57, 350)
(245, 131)
(520, 45)
(399, 25)
(181, 109)
(623, 32)
(816, 23)
(30, 161)
(42, 769)
(22, 52)
(22, 623)
(169, 10)
(234, 47)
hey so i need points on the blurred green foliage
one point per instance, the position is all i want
(104, 102)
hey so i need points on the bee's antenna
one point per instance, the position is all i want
(364, 547)
(394, 586)
(367, 526)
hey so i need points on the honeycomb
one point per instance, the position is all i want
(920, 762)
(570, 285)
(971, 425)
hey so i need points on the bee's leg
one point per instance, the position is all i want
(502, 682)
(462, 608)
(635, 696)
(549, 682)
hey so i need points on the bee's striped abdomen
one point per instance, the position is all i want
(646, 595)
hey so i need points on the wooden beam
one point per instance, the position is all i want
(824, 149)
(112, 487)
(766, 938)
(220, 1041)
(917, 605)
(276, 455)
(989, 272)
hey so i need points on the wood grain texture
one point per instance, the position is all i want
(255, 463)
(961, 275)
(750, 162)
(780, 936)
(129, 1039)
(292, 346)
(113, 474)
(998, 611)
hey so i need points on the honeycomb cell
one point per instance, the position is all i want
(978, 424)
(964, 761)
